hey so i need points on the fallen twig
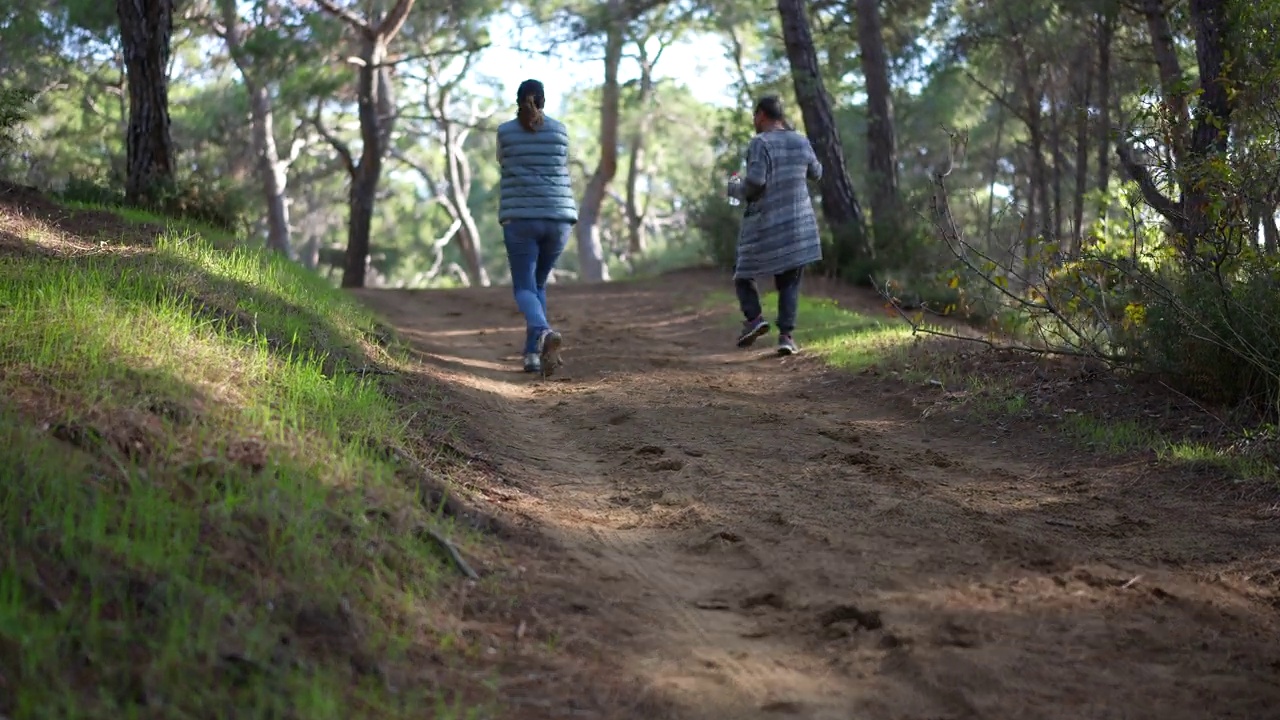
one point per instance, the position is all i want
(452, 552)
(364, 370)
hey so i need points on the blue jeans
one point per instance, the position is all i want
(533, 246)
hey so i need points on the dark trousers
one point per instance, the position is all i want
(788, 285)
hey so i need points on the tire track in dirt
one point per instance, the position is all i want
(784, 541)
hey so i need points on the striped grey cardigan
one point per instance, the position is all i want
(779, 229)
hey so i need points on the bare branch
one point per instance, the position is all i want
(404, 58)
(339, 146)
(394, 20)
(355, 21)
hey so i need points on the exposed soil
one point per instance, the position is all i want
(745, 536)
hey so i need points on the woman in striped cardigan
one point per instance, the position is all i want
(779, 235)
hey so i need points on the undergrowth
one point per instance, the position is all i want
(208, 508)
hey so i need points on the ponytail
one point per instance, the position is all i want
(530, 115)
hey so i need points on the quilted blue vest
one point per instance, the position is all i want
(535, 173)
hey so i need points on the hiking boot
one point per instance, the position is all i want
(549, 352)
(751, 330)
(787, 346)
(532, 363)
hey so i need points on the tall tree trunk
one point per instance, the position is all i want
(882, 149)
(1172, 79)
(271, 169)
(1106, 33)
(364, 180)
(995, 170)
(272, 172)
(375, 105)
(1055, 150)
(459, 196)
(591, 263)
(146, 29)
(839, 201)
(635, 213)
(1033, 97)
(1084, 93)
(1190, 215)
(1270, 233)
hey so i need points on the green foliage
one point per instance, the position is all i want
(15, 108)
(718, 223)
(1217, 338)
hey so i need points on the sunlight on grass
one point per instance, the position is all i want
(200, 494)
(843, 338)
(1124, 437)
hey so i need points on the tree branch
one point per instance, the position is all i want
(1150, 193)
(343, 150)
(394, 20)
(355, 21)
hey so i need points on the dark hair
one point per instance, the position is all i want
(531, 99)
(771, 107)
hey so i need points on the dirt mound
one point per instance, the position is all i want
(25, 212)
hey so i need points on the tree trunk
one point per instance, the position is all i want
(591, 264)
(1055, 150)
(882, 152)
(1083, 95)
(1270, 233)
(995, 171)
(271, 170)
(459, 192)
(1171, 78)
(272, 173)
(1191, 214)
(635, 213)
(364, 180)
(376, 110)
(146, 28)
(839, 201)
(1106, 32)
(1033, 97)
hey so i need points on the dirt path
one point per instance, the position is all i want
(780, 540)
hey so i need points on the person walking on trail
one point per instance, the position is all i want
(779, 235)
(537, 212)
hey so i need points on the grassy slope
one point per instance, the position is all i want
(992, 390)
(208, 509)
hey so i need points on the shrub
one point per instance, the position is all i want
(718, 223)
(210, 203)
(15, 108)
(1215, 337)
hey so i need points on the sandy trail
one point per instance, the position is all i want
(781, 540)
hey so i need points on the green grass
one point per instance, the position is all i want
(1123, 437)
(205, 508)
(843, 338)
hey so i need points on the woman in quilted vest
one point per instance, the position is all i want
(537, 212)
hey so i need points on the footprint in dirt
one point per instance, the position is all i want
(845, 435)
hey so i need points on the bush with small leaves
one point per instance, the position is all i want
(15, 108)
